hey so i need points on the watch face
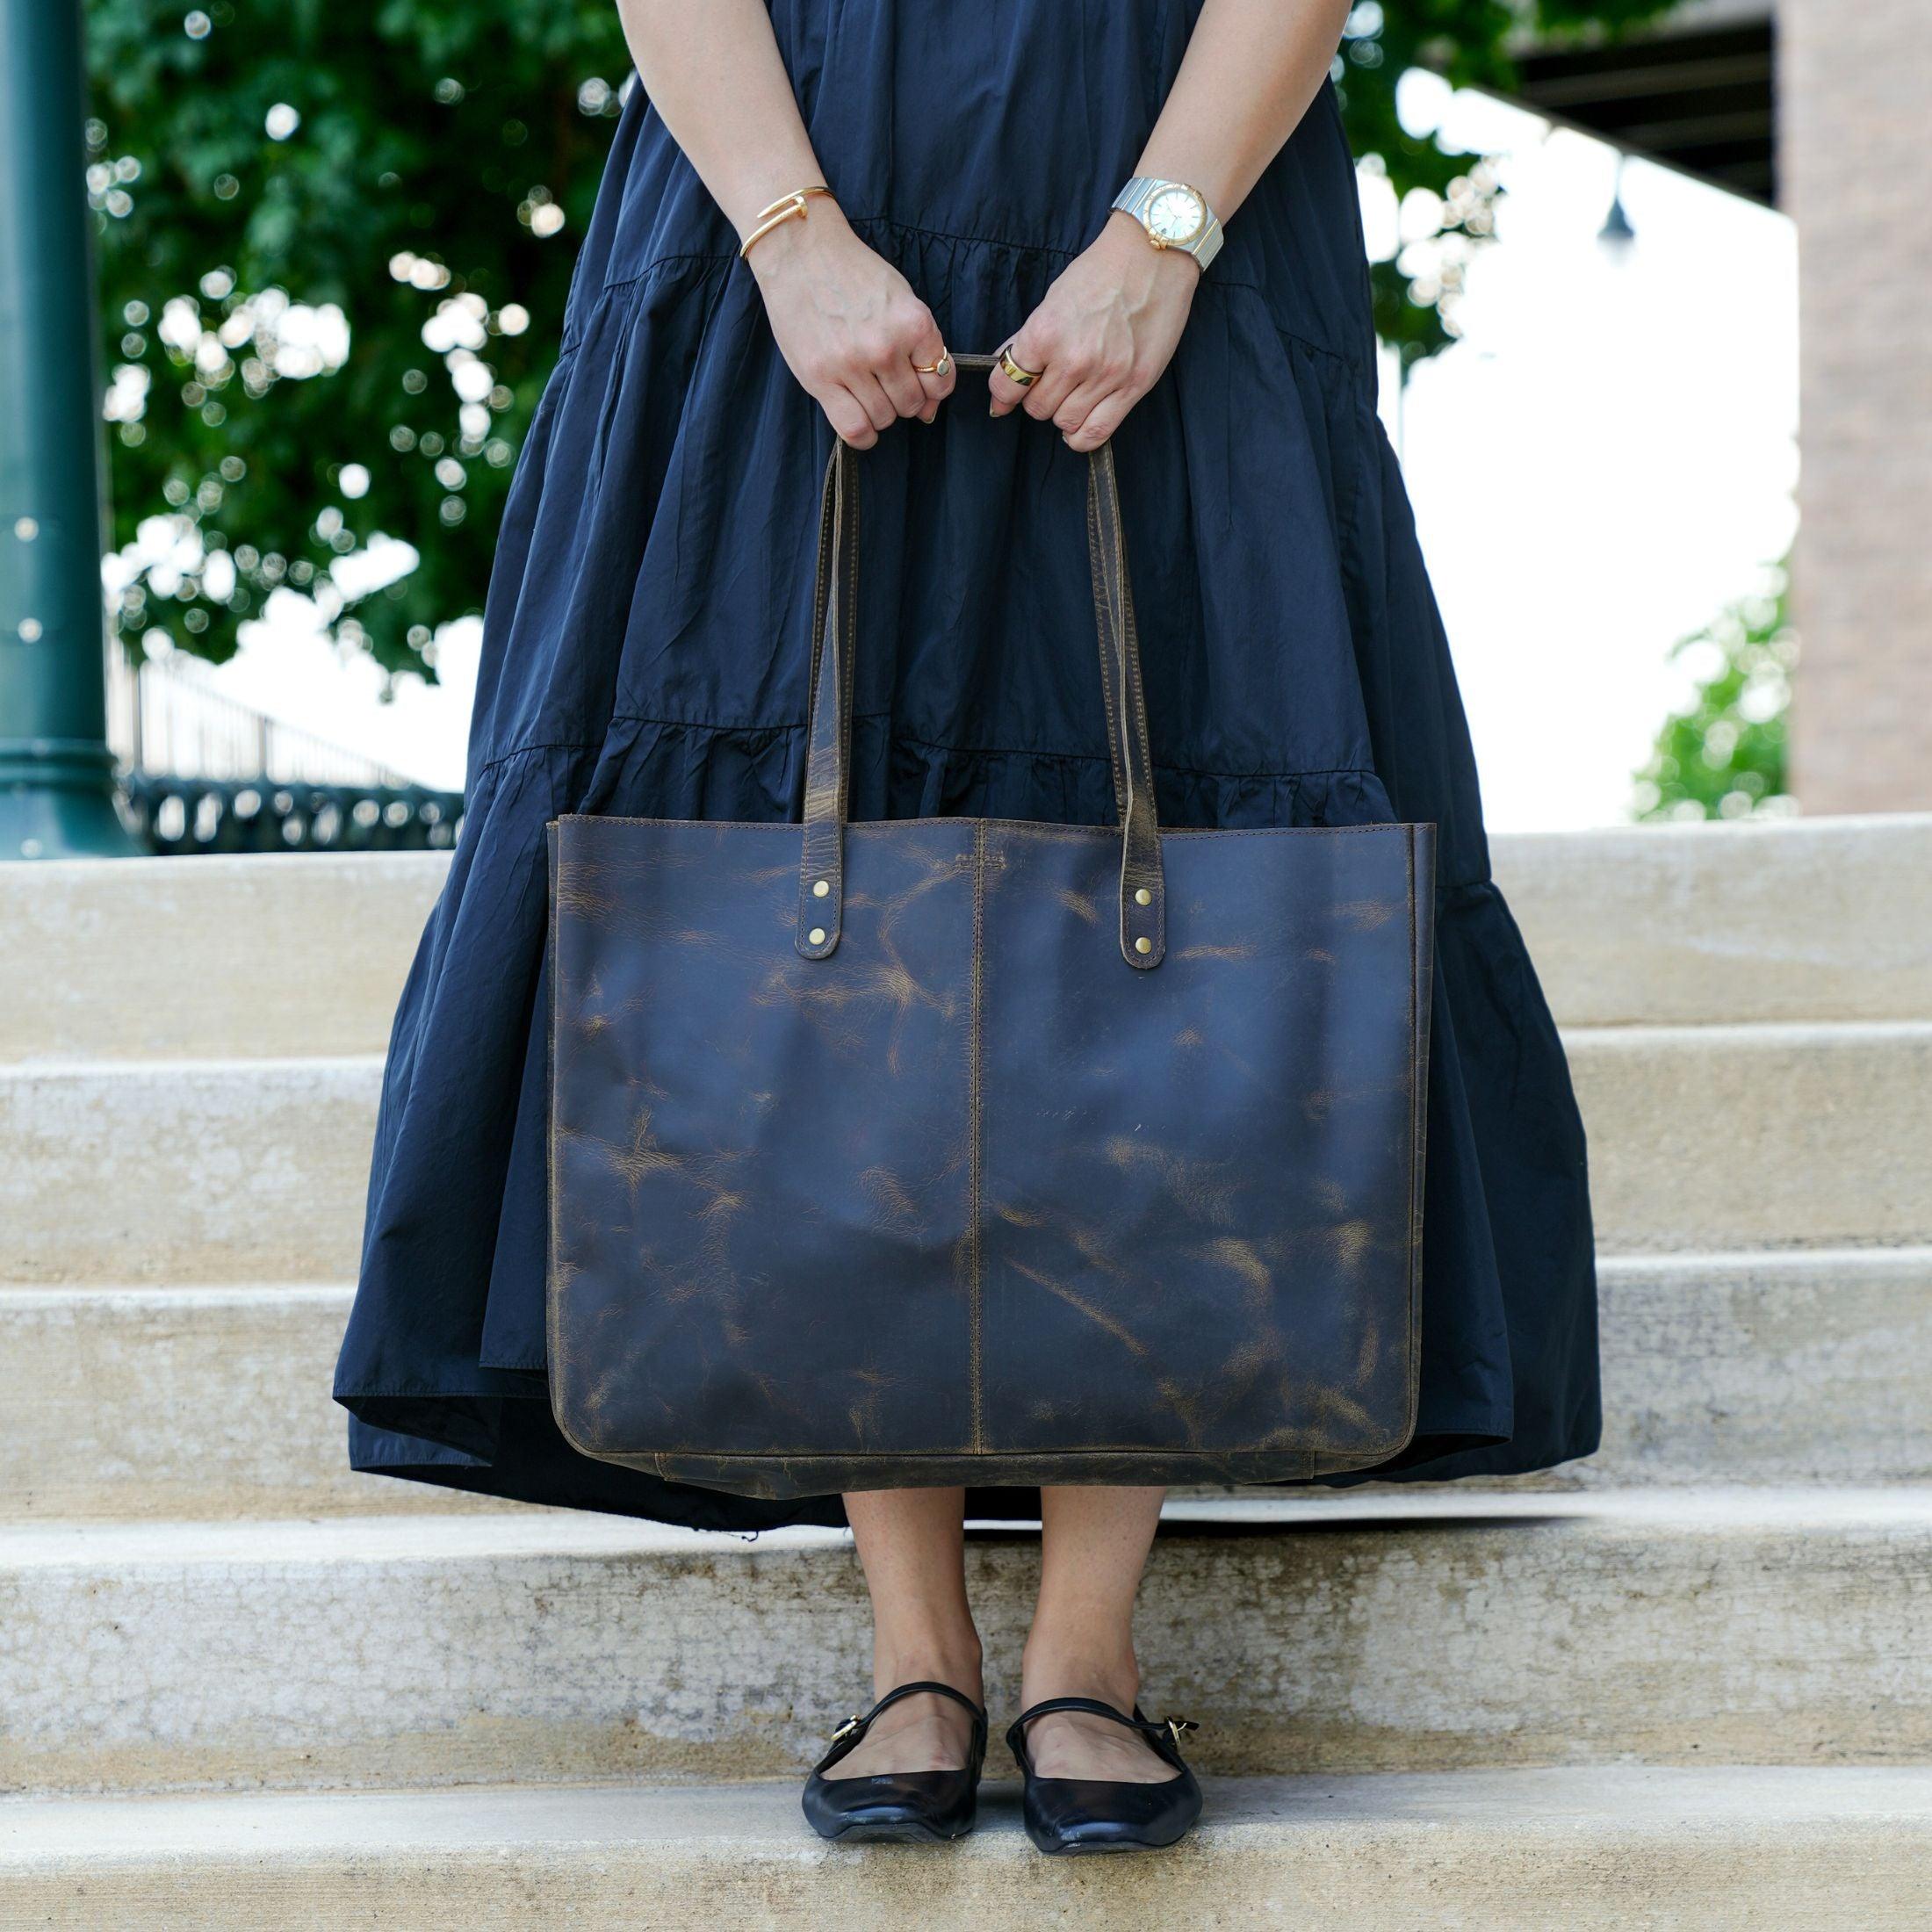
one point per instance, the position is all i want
(1176, 215)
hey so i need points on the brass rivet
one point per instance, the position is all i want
(817, 935)
(1143, 897)
(820, 888)
(1143, 945)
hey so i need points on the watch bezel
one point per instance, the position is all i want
(1160, 192)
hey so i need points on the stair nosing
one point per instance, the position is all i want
(41, 1834)
(1691, 1510)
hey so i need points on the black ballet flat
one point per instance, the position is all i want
(1085, 1814)
(898, 1807)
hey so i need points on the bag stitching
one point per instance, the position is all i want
(1107, 664)
(830, 506)
(1134, 703)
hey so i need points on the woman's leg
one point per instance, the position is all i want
(913, 1544)
(1094, 1547)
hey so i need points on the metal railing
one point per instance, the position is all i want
(201, 773)
(164, 715)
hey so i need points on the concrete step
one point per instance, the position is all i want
(181, 959)
(1703, 1138)
(213, 1171)
(1826, 920)
(213, 1402)
(1763, 1136)
(142, 1403)
(1334, 1633)
(1805, 1365)
(1807, 919)
(1601, 1850)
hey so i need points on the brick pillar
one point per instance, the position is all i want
(1856, 109)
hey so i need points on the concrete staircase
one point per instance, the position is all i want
(1685, 1683)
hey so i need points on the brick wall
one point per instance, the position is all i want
(1855, 87)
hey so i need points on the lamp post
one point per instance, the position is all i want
(1617, 237)
(56, 773)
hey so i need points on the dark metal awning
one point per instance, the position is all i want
(1698, 93)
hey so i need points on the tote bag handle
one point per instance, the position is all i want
(821, 878)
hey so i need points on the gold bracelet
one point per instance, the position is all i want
(786, 208)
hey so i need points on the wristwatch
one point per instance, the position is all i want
(1174, 215)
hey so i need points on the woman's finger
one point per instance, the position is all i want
(1057, 381)
(936, 388)
(928, 351)
(880, 411)
(902, 385)
(1104, 418)
(1028, 351)
(848, 420)
(1081, 402)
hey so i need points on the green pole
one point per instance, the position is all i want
(57, 773)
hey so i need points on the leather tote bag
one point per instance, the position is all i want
(960, 1150)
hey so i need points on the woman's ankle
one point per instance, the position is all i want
(955, 1660)
(1084, 1745)
(1082, 1670)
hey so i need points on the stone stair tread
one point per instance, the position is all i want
(249, 948)
(1602, 1847)
(1819, 917)
(162, 1070)
(1827, 917)
(242, 1169)
(1701, 1510)
(1384, 1631)
(1686, 1262)
(194, 1401)
(1636, 1034)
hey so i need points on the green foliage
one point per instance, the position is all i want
(426, 130)
(434, 148)
(1723, 756)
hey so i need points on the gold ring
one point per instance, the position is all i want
(942, 367)
(1015, 373)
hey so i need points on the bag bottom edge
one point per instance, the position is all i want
(775, 1478)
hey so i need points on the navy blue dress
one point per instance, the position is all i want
(646, 646)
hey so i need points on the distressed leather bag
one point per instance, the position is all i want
(957, 1151)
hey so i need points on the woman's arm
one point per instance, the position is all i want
(846, 322)
(1112, 320)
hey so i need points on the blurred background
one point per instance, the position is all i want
(1622, 247)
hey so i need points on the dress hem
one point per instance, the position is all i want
(471, 1465)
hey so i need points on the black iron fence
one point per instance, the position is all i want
(174, 816)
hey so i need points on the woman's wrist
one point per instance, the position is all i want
(804, 238)
(793, 207)
(1123, 236)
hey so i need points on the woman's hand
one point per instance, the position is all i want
(1108, 329)
(849, 326)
